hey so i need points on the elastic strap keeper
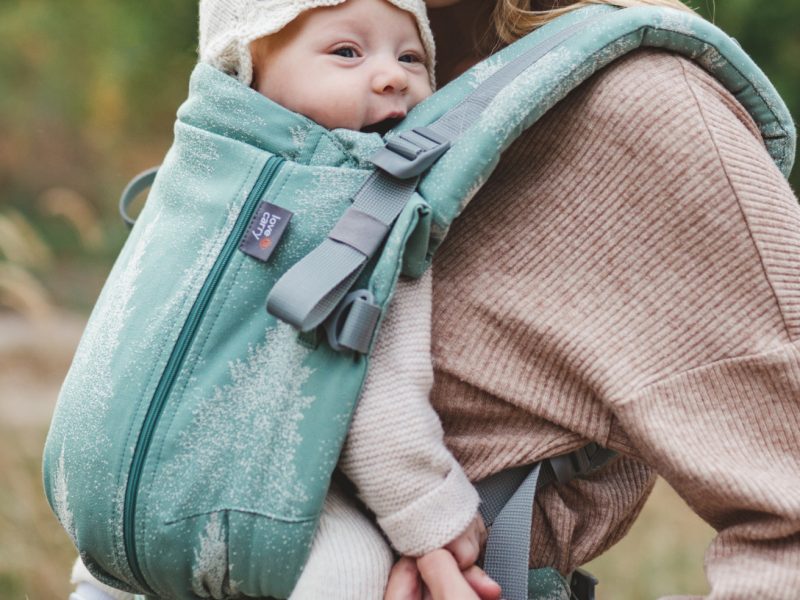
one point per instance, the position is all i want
(360, 231)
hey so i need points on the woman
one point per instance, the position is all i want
(643, 294)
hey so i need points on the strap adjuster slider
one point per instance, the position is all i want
(411, 152)
(575, 464)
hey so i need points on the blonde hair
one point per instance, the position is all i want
(513, 19)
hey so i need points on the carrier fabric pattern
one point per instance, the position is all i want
(194, 438)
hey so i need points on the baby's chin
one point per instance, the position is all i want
(382, 127)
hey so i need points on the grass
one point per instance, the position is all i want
(35, 553)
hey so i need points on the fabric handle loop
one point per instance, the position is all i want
(135, 187)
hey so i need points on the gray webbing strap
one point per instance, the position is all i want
(135, 187)
(308, 292)
(507, 507)
(509, 543)
(497, 489)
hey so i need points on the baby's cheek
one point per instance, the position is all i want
(336, 111)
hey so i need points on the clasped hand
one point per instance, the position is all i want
(448, 573)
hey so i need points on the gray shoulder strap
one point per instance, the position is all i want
(507, 507)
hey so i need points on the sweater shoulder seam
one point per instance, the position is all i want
(712, 138)
(747, 356)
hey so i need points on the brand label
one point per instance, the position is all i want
(265, 231)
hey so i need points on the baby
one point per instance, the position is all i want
(362, 65)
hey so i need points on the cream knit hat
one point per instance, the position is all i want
(227, 27)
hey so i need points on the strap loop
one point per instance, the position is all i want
(360, 231)
(135, 187)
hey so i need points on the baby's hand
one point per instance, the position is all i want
(467, 547)
(446, 573)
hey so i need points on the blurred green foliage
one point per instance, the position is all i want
(768, 31)
(89, 89)
(88, 93)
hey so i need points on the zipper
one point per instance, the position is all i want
(177, 357)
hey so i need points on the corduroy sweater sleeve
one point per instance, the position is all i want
(642, 290)
(724, 430)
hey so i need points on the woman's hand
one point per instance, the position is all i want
(447, 573)
(436, 576)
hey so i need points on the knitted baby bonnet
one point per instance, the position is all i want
(227, 27)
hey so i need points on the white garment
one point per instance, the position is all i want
(349, 558)
(396, 457)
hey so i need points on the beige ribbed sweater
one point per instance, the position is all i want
(630, 275)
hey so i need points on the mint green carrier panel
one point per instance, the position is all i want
(124, 349)
(237, 456)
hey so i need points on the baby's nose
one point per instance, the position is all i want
(390, 77)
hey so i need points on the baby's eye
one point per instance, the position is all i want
(410, 58)
(345, 52)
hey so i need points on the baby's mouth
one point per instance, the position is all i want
(382, 127)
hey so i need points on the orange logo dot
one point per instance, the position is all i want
(265, 243)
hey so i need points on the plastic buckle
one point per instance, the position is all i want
(582, 585)
(569, 466)
(411, 152)
(352, 325)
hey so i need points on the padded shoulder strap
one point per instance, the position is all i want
(607, 34)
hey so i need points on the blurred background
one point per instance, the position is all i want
(88, 93)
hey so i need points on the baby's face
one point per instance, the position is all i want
(352, 65)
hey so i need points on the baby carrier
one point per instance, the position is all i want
(196, 433)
